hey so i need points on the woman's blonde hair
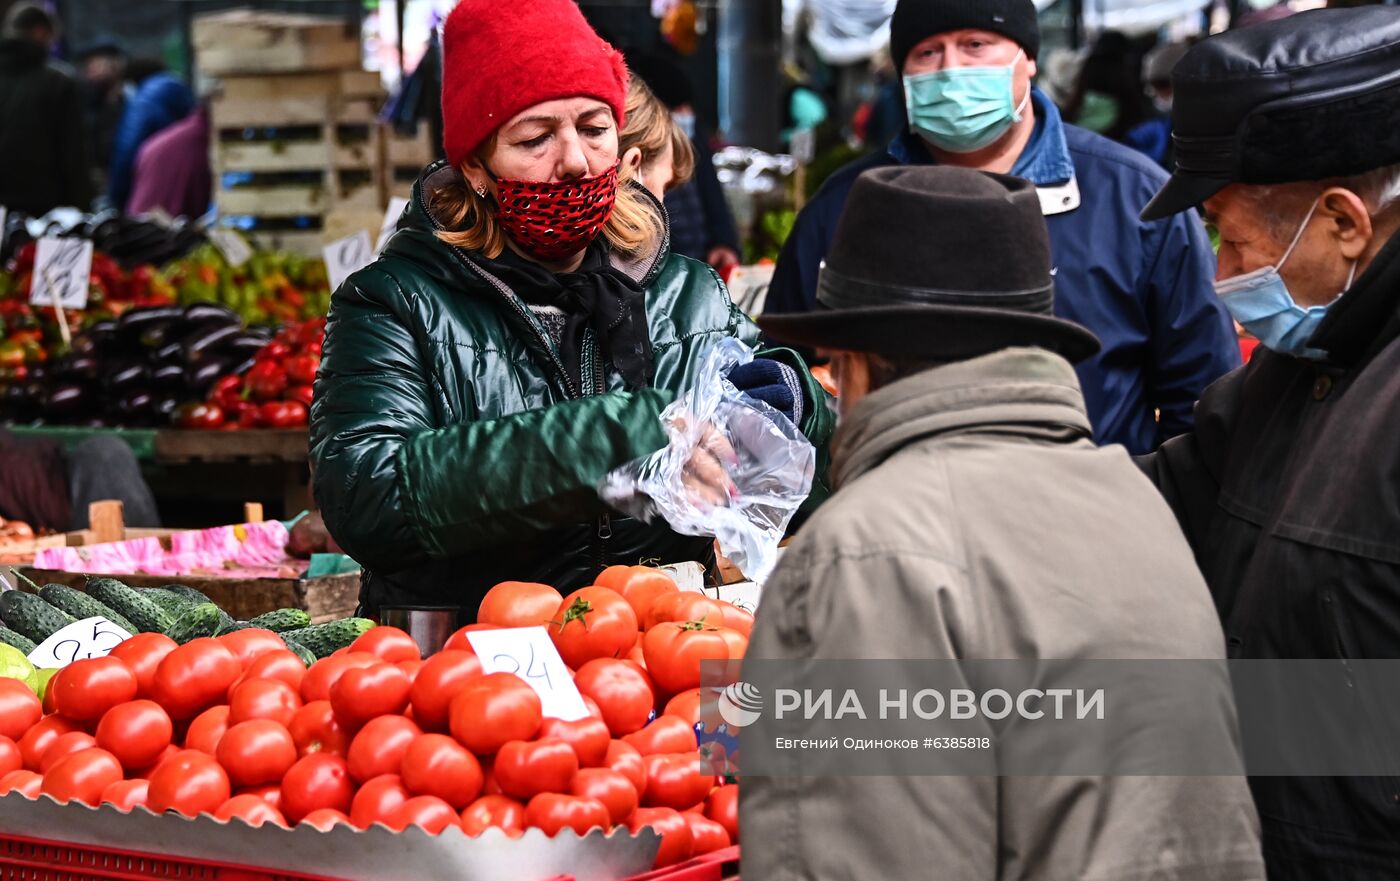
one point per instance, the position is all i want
(634, 228)
(651, 129)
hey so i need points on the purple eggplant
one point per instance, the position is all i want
(68, 402)
(210, 313)
(198, 377)
(207, 342)
(168, 376)
(126, 376)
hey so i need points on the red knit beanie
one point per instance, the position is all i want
(500, 58)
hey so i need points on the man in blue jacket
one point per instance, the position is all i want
(1145, 289)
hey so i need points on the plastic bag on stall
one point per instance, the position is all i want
(771, 471)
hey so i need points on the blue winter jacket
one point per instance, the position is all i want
(161, 100)
(1144, 288)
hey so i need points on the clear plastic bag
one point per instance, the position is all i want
(771, 472)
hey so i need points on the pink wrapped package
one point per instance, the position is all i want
(248, 550)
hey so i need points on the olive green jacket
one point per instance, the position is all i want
(449, 447)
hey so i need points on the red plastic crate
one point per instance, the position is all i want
(31, 859)
(710, 867)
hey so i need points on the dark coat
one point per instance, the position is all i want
(1287, 492)
(43, 147)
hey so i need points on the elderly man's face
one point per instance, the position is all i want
(851, 373)
(1257, 224)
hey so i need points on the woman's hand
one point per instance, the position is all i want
(706, 475)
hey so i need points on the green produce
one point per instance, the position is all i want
(325, 639)
(42, 677)
(226, 622)
(195, 622)
(14, 664)
(173, 603)
(307, 656)
(188, 593)
(80, 605)
(128, 601)
(17, 640)
(29, 616)
(282, 620)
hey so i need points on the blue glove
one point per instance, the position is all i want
(773, 383)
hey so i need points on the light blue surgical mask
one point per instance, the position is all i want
(1261, 303)
(964, 109)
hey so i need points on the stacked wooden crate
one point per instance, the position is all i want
(294, 129)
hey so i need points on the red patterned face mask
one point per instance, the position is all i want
(553, 221)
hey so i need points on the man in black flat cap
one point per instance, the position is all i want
(1287, 133)
(974, 518)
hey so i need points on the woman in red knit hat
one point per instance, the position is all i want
(520, 335)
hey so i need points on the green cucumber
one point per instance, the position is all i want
(32, 617)
(325, 639)
(17, 640)
(128, 601)
(282, 620)
(226, 622)
(173, 603)
(188, 593)
(197, 621)
(305, 654)
(80, 605)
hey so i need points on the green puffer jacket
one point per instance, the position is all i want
(450, 450)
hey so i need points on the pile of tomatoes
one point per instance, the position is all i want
(237, 727)
(275, 392)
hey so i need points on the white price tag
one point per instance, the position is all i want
(62, 269)
(748, 287)
(234, 247)
(804, 145)
(529, 653)
(391, 219)
(88, 638)
(346, 256)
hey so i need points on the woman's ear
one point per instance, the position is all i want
(478, 178)
(631, 163)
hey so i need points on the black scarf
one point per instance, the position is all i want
(596, 295)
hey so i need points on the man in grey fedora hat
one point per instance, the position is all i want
(974, 518)
(1286, 133)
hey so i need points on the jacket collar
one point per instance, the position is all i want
(1022, 392)
(1365, 319)
(1045, 161)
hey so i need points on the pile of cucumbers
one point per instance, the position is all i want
(180, 612)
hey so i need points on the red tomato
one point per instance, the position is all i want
(525, 769)
(263, 699)
(458, 641)
(302, 394)
(323, 674)
(674, 652)
(437, 765)
(11, 759)
(207, 730)
(706, 835)
(589, 738)
(22, 782)
(615, 791)
(63, 747)
(684, 606)
(301, 369)
(82, 776)
(42, 734)
(194, 677)
(494, 810)
(256, 752)
(674, 831)
(315, 730)
(410, 668)
(283, 414)
(143, 654)
(519, 604)
(249, 645)
(251, 810)
(593, 622)
(126, 795)
(622, 693)
(376, 799)
(169, 751)
(326, 819)
(198, 416)
(666, 734)
(268, 792)
(676, 781)
(639, 585)
(625, 760)
(389, 644)
(723, 807)
(316, 781)
(430, 814)
(281, 665)
(492, 710)
(686, 705)
(190, 783)
(267, 380)
(136, 733)
(552, 812)
(20, 709)
(379, 747)
(437, 683)
(736, 618)
(367, 693)
(86, 689)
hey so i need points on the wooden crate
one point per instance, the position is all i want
(405, 158)
(247, 41)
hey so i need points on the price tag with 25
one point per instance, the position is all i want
(62, 269)
(529, 653)
(88, 638)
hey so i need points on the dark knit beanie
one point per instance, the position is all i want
(916, 20)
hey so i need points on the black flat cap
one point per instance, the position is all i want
(1309, 97)
(936, 261)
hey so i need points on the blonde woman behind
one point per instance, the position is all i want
(655, 151)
